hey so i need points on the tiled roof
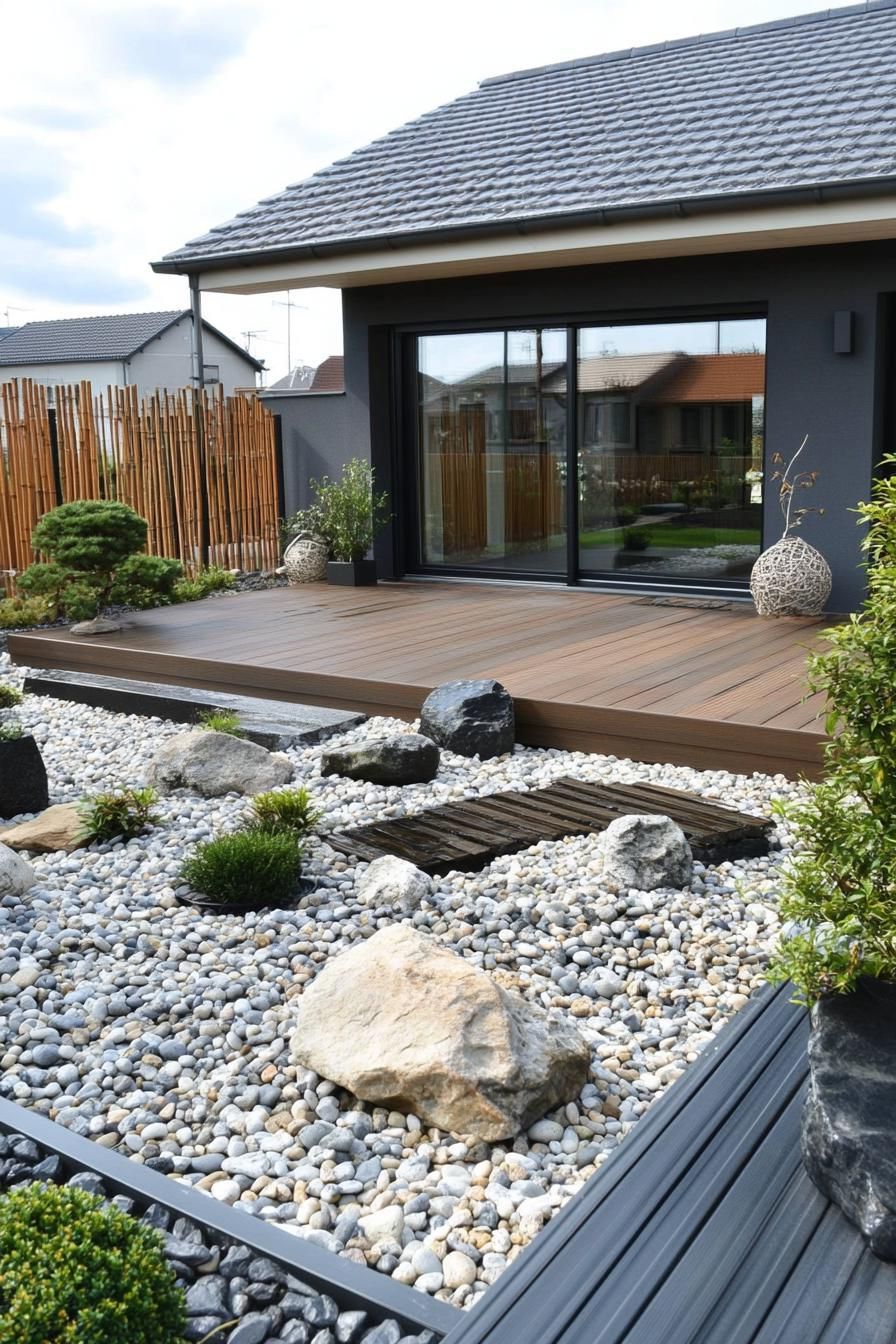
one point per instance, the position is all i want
(329, 376)
(793, 104)
(706, 378)
(618, 373)
(84, 338)
(6, 331)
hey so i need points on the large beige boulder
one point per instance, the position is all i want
(217, 763)
(403, 1022)
(57, 828)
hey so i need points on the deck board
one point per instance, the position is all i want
(703, 1227)
(589, 671)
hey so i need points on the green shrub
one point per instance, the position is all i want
(18, 613)
(93, 547)
(76, 1271)
(221, 721)
(10, 731)
(841, 888)
(348, 513)
(251, 866)
(9, 695)
(285, 811)
(146, 581)
(125, 813)
(214, 579)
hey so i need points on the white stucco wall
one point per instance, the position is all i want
(165, 362)
(101, 374)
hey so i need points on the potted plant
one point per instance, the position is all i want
(840, 896)
(791, 578)
(23, 775)
(348, 514)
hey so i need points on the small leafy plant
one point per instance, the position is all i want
(285, 812)
(221, 721)
(20, 613)
(123, 814)
(213, 579)
(74, 1270)
(841, 889)
(348, 513)
(251, 867)
(10, 731)
(9, 695)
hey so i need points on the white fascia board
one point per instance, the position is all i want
(841, 221)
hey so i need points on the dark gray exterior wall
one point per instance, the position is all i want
(838, 400)
(320, 432)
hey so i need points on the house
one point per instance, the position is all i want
(585, 305)
(297, 380)
(147, 350)
(327, 377)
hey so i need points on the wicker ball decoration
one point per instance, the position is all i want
(305, 559)
(791, 578)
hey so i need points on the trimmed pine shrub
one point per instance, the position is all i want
(74, 1270)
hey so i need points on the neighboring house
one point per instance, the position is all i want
(585, 304)
(147, 350)
(297, 380)
(6, 331)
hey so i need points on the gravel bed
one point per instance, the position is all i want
(243, 1297)
(163, 1032)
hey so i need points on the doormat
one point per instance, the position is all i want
(466, 836)
(698, 603)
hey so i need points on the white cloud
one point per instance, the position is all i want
(147, 126)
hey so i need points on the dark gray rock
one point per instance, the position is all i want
(389, 1332)
(191, 1253)
(236, 1262)
(349, 1325)
(295, 1332)
(321, 1311)
(252, 1329)
(23, 778)
(405, 758)
(198, 1327)
(89, 1181)
(208, 1297)
(471, 718)
(849, 1120)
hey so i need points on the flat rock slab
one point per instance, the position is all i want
(849, 1120)
(275, 724)
(466, 836)
(58, 828)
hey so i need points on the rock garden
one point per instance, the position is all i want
(415, 1073)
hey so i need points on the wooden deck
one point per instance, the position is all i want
(588, 671)
(703, 1227)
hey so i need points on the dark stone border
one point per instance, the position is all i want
(351, 1285)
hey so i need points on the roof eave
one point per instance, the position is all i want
(708, 204)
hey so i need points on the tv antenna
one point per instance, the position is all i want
(250, 336)
(288, 304)
(12, 308)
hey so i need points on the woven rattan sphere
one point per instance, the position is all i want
(791, 578)
(305, 559)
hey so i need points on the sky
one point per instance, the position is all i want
(126, 130)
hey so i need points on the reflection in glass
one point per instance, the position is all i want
(670, 444)
(492, 443)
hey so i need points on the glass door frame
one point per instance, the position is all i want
(406, 429)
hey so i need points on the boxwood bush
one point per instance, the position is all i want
(74, 1270)
(841, 888)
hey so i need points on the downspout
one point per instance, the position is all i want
(198, 379)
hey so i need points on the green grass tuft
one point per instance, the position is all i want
(285, 811)
(221, 721)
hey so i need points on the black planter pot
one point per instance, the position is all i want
(23, 778)
(199, 902)
(849, 1120)
(351, 573)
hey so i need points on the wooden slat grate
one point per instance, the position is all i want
(466, 836)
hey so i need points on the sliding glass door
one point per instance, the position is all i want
(492, 450)
(670, 449)
(666, 451)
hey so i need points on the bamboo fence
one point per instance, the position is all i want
(200, 468)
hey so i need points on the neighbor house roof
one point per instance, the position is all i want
(707, 378)
(6, 331)
(329, 376)
(802, 107)
(86, 339)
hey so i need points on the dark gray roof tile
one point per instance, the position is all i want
(84, 338)
(794, 103)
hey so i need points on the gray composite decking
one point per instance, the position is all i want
(704, 1227)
